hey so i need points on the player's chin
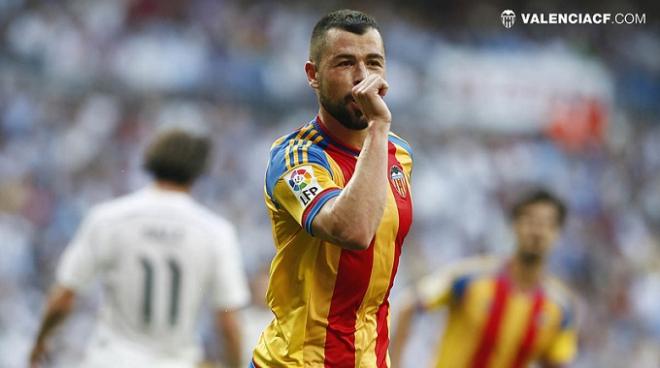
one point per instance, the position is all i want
(530, 258)
(360, 122)
(359, 119)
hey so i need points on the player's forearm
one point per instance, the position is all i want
(233, 351)
(400, 335)
(358, 210)
(59, 306)
(51, 320)
(227, 326)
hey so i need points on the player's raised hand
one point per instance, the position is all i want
(369, 95)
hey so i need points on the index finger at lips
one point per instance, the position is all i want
(362, 94)
(372, 85)
(375, 85)
(362, 85)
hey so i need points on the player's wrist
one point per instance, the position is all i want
(379, 126)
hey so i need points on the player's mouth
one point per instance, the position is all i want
(354, 106)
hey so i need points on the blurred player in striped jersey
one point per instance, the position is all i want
(503, 313)
(159, 254)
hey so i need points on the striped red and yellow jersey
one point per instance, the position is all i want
(330, 304)
(491, 324)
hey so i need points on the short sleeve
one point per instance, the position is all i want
(450, 284)
(563, 348)
(300, 179)
(230, 289)
(433, 294)
(437, 292)
(303, 191)
(79, 264)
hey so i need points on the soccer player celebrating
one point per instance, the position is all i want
(337, 191)
(503, 313)
(159, 254)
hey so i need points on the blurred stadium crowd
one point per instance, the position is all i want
(83, 84)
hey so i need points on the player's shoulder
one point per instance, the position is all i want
(209, 227)
(196, 214)
(306, 143)
(460, 274)
(557, 291)
(304, 146)
(401, 143)
(113, 208)
(561, 295)
(213, 220)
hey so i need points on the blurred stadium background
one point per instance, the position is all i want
(83, 84)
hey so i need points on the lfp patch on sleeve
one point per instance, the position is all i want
(303, 184)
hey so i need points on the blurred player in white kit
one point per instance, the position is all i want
(158, 254)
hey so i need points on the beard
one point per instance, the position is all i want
(349, 118)
(531, 254)
(529, 258)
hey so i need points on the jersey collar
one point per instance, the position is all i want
(318, 124)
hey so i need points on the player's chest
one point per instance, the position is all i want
(344, 165)
(514, 312)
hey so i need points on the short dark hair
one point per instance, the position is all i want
(348, 20)
(177, 156)
(539, 195)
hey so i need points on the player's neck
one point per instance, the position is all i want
(172, 187)
(350, 138)
(526, 276)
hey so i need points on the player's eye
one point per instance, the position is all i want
(375, 64)
(345, 63)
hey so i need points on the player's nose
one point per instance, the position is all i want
(360, 72)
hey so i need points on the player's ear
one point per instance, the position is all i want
(311, 72)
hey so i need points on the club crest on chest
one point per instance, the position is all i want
(398, 180)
